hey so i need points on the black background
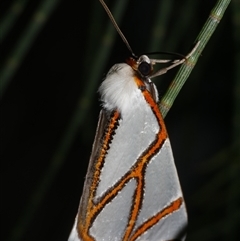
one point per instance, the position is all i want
(41, 186)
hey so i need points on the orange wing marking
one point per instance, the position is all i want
(174, 206)
(92, 209)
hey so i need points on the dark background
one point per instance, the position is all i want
(49, 109)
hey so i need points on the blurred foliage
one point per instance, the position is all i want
(54, 55)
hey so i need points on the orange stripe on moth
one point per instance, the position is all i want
(83, 228)
(174, 206)
(145, 158)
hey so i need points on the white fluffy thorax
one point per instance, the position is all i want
(119, 90)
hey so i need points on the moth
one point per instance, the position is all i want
(131, 191)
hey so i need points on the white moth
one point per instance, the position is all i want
(131, 191)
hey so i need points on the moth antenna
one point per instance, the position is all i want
(116, 26)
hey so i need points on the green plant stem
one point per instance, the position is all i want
(187, 67)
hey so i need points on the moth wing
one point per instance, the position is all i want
(102, 122)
